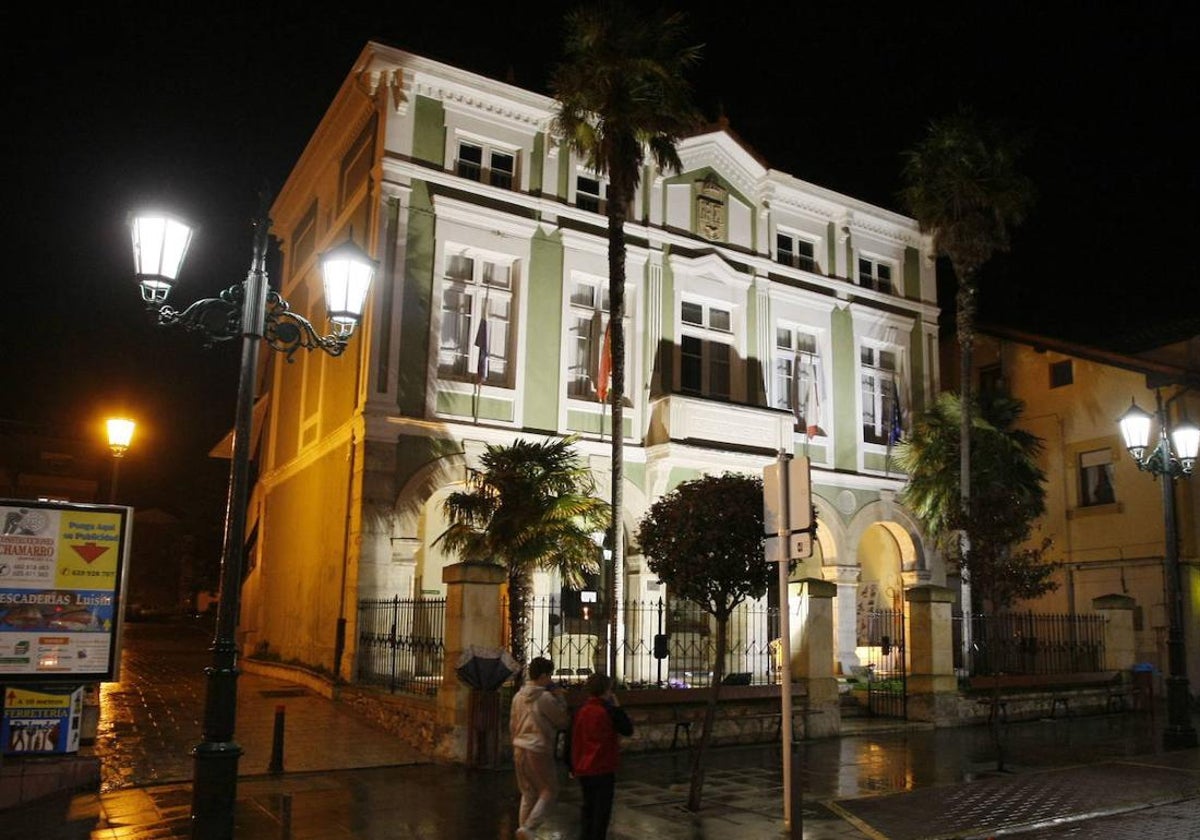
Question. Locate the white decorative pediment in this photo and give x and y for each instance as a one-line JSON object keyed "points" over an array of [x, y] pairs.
{"points": [[723, 154]]}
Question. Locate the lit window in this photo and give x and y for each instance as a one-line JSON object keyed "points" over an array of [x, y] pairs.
{"points": [[796, 252], [874, 275], [1096, 478], [881, 418], [587, 323], [797, 379], [476, 319], [705, 347]]}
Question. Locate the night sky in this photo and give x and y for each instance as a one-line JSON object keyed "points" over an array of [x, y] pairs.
{"points": [[199, 106]]}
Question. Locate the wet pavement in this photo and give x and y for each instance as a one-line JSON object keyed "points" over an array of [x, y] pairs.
{"points": [[1087, 777]]}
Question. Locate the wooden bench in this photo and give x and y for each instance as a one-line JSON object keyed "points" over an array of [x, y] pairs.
{"points": [[1006, 688]]}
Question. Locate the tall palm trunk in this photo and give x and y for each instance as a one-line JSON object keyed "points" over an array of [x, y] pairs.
{"points": [[520, 590], [618, 203], [966, 343]]}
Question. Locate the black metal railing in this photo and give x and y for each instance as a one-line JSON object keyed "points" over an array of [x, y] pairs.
{"points": [[662, 644], [1031, 643], [401, 643]]}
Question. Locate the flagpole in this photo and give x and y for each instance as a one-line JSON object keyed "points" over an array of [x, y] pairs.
{"points": [[482, 348]]}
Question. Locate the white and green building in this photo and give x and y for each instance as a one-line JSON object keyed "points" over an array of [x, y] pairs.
{"points": [[765, 313]]}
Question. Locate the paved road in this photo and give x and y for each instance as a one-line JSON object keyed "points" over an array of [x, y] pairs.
{"points": [[1096, 777], [151, 719]]}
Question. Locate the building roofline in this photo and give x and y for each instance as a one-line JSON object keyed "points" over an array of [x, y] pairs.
{"points": [[1157, 373]]}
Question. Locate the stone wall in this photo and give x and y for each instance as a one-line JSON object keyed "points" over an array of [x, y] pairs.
{"points": [[411, 718]]}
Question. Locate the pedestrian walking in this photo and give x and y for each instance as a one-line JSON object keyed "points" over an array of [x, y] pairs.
{"points": [[595, 753], [538, 714]]}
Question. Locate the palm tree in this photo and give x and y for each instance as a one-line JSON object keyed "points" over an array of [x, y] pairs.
{"points": [[962, 183], [1008, 493], [622, 94], [529, 506]]}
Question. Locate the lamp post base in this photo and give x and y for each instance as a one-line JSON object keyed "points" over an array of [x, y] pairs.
{"points": [[214, 790], [1179, 733]]}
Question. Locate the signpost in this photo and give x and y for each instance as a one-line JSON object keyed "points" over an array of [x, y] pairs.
{"points": [[787, 513]]}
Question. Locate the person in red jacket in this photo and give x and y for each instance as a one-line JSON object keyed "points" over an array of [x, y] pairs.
{"points": [[595, 753]]}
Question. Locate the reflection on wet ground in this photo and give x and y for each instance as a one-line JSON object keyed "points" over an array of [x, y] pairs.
{"points": [[343, 778]]}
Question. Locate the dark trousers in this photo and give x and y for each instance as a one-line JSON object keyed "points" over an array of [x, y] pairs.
{"points": [[597, 805]]}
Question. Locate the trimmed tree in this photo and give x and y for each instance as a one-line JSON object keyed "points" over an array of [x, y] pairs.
{"points": [[530, 505], [705, 541], [1007, 490], [622, 94]]}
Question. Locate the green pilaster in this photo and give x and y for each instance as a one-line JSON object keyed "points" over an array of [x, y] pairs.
{"points": [[647, 182], [665, 352], [387, 293], [831, 246], [564, 172], [917, 376], [912, 274], [543, 387], [429, 131], [537, 163], [418, 300], [844, 388], [755, 395]]}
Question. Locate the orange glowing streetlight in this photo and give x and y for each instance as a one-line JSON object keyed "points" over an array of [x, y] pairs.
{"points": [[120, 434]]}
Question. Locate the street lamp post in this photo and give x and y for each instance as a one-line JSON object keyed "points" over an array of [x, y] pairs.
{"points": [[254, 312], [1173, 456], [120, 433]]}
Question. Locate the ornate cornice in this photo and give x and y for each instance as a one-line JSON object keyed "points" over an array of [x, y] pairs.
{"points": [[468, 99]]}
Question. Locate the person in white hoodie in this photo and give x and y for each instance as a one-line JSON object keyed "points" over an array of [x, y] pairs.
{"points": [[538, 714]]}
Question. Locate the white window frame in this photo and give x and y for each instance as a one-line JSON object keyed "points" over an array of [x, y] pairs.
{"points": [[783, 365], [459, 362], [872, 276], [583, 348], [709, 337], [486, 169], [600, 197], [878, 400], [797, 261]]}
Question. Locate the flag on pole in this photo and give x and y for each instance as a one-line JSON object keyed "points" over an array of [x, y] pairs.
{"points": [[812, 412], [604, 374], [797, 393], [481, 345]]}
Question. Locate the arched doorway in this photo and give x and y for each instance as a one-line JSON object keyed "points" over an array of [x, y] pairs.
{"points": [[879, 617]]}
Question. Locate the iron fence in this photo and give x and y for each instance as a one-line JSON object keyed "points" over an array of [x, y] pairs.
{"points": [[1029, 643], [660, 643], [400, 643]]}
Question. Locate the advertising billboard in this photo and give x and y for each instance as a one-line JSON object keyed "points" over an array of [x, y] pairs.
{"points": [[45, 721], [62, 573]]}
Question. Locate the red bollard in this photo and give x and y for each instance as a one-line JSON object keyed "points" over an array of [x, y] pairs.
{"points": [[276, 765]]}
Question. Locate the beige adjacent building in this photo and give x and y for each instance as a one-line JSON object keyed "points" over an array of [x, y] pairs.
{"points": [[1105, 517]]}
